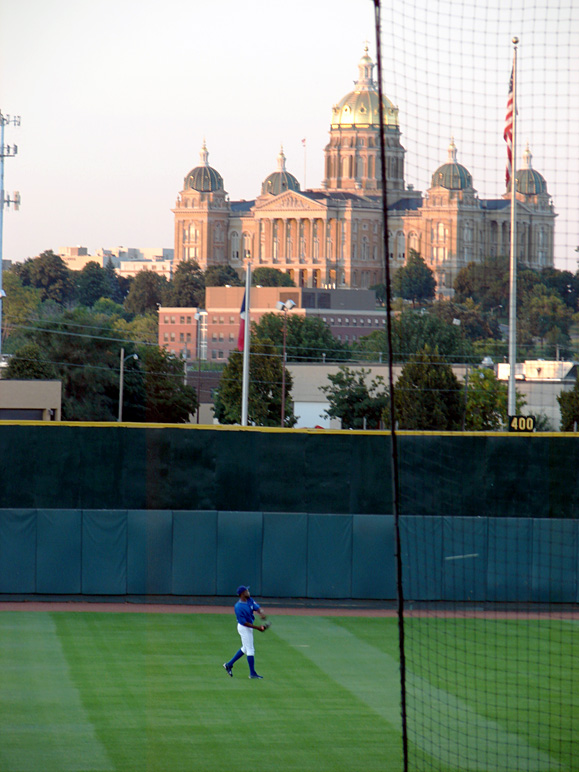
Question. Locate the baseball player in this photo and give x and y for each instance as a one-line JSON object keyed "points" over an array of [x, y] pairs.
{"points": [[244, 612]]}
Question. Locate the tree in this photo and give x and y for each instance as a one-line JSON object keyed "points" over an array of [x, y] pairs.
{"points": [[380, 290], [146, 293], [411, 332], [19, 305], [264, 398], [85, 358], [29, 364], [569, 406], [474, 325], [427, 396], [222, 275], [271, 277], [308, 339], [108, 307], [49, 274], [167, 398], [414, 281], [357, 404], [487, 283], [144, 328], [93, 283], [187, 289], [545, 311], [564, 283], [119, 286], [84, 350], [487, 402]]}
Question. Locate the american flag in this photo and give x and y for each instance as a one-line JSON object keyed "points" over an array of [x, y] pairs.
{"points": [[241, 334], [508, 132]]}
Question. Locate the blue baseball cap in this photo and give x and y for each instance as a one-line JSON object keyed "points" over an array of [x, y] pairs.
{"points": [[241, 588]]}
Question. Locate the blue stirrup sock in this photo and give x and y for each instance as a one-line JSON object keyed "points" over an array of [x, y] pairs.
{"points": [[234, 659], [250, 660]]}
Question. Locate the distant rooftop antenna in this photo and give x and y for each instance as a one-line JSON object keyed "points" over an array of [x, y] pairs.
{"points": [[6, 151]]}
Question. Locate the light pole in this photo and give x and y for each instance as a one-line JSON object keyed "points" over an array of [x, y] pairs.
{"points": [[285, 307], [6, 151], [122, 378], [198, 317]]}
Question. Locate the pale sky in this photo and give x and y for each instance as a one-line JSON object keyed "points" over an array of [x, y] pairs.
{"points": [[116, 96]]}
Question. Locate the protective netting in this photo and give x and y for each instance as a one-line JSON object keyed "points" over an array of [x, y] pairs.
{"points": [[490, 612], [447, 68], [489, 599]]}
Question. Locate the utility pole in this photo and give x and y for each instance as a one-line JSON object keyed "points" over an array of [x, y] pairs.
{"points": [[6, 151]]}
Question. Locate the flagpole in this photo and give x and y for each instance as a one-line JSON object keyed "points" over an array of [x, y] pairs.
{"points": [[512, 395], [246, 342]]}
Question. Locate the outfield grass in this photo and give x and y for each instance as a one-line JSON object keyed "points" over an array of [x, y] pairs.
{"points": [[126, 692]]}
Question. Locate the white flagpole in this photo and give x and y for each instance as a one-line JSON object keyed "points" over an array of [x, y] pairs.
{"points": [[246, 342], [512, 394]]}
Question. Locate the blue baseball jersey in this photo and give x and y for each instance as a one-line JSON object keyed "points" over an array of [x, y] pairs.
{"points": [[244, 611]]}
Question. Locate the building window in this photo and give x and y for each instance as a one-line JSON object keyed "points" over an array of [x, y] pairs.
{"points": [[214, 354], [182, 337], [166, 336], [172, 336], [235, 245], [188, 320], [172, 320], [166, 319]]}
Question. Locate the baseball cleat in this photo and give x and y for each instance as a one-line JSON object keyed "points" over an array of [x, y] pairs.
{"points": [[254, 675], [228, 669]]}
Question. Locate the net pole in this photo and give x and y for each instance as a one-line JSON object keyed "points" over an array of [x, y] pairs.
{"points": [[393, 437], [246, 347], [511, 392]]}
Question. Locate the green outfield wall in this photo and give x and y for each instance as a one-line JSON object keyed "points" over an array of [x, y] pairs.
{"points": [[286, 555], [124, 510], [113, 466]]}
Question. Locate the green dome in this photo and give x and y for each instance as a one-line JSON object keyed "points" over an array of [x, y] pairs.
{"points": [[452, 175], [279, 181], [204, 178], [529, 181]]}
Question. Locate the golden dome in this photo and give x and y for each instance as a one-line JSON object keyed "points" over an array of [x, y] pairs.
{"points": [[360, 107]]}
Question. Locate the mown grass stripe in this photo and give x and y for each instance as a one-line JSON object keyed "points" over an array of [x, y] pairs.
{"points": [[453, 732], [43, 725]]}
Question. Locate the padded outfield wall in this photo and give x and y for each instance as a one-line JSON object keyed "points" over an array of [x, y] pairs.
{"points": [[189, 511]]}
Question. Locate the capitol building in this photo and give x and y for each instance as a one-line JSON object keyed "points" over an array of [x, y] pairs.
{"points": [[331, 236]]}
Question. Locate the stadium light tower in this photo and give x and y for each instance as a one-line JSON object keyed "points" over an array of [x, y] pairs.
{"points": [[6, 151]]}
